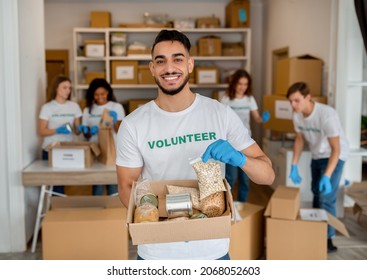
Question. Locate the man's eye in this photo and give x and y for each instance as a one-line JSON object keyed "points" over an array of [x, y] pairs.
{"points": [[159, 61]]}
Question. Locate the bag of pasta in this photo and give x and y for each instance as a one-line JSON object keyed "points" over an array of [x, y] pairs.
{"points": [[210, 179]]}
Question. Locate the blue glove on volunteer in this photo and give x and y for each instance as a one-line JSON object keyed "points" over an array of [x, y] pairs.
{"points": [[294, 176], [113, 114], [265, 116], [325, 184], [94, 130], [63, 130], [222, 151]]}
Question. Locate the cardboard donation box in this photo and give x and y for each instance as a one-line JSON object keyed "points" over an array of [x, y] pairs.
{"points": [[238, 13], [94, 48], [210, 46], [90, 76], [281, 112], [206, 74], [145, 77], [72, 154], [100, 19], [165, 231], [305, 68], [296, 237], [247, 233], [85, 228], [358, 192], [124, 72]]}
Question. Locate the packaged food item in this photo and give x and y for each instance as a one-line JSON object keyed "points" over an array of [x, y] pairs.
{"points": [[213, 205], [172, 189], [146, 213], [210, 179], [144, 193], [178, 205]]}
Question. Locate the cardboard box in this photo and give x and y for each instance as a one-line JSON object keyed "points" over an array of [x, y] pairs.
{"points": [[247, 233], [90, 76], [281, 112], [175, 231], [208, 22], [284, 203], [124, 72], [238, 13], [72, 154], [304, 238], [85, 228], [358, 192], [233, 49], [206, 75], [210, 46], [135, 103], [145, 77], [305, 68], [100, 19], [94, 48]]}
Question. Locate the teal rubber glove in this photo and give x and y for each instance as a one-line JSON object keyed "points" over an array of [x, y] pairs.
{"points": [[325, 184], [222, 151], [113, 114], [265, 116], [94, 130], [294, 176], [82, 128], [63, 130]]}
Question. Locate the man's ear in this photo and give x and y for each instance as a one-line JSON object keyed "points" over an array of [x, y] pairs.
{"points": [[151, 68], [191, 64]]}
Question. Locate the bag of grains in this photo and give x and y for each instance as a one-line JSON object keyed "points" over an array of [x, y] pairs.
{"points": [[210, 179]]}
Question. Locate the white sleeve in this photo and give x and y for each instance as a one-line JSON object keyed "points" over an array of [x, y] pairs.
{"points": [[238, 135], [253, 104], [127, 151]]}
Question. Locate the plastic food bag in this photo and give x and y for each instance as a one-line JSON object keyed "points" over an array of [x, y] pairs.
{"points": [[144, 193], [210, 179]]}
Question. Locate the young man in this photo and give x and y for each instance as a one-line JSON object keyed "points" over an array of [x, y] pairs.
{"points": [[320, 126], [188, 125]]}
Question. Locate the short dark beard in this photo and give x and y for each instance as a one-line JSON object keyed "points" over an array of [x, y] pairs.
{"points": [[172, 91]]}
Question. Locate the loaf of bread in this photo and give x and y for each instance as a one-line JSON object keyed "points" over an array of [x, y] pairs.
{"points": [[146, 213], [213, 205]]}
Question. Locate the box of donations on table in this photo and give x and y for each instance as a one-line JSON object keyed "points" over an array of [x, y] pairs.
{"points": [[72, 154]]}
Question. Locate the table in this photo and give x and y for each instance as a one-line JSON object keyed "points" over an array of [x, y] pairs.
{"points": [[38, 173]]}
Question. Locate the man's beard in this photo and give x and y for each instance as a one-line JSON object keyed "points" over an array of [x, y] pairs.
{"points": [[172, 91]]}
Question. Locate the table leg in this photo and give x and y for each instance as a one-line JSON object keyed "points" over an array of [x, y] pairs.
{"points": [[38, 218]]}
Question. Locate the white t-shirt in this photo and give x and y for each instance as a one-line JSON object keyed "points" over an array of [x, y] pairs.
{"points": [[322, 123], [242, 106], [57, 115], [93, 118], [163, 143]]}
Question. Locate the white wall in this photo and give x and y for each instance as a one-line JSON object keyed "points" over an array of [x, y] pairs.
{"points": [[303, 26], [22, 71]]}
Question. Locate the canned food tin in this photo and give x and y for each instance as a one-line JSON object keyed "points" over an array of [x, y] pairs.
{"points": [[178, 205], [149, 198]]}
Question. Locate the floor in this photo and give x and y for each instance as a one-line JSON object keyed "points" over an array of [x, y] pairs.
{"points": [[352, 248]]}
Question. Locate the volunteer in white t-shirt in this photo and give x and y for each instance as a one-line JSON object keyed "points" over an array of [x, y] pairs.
{"points": [[100, 97], [157, 140], [319, 125], [239, 97], [59, 117]]}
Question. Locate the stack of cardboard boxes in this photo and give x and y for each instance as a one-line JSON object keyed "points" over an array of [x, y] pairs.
{"points": [[293, 233], [288, 71]]}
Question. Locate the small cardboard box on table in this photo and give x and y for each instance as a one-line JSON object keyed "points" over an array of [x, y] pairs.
{"points": [[247, 232], [72, 154], [178, 230], [296, 234], [85, 228]]}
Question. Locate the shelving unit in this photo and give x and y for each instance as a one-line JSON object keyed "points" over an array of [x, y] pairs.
{"points": [[146, 36]]}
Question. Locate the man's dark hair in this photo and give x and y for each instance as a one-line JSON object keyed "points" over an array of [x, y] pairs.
{"points": [[172, 35], [301, 87]]}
